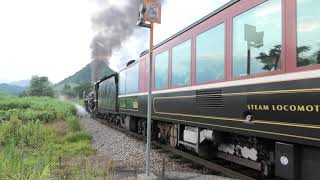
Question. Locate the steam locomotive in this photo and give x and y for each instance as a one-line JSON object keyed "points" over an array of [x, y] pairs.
{"points": [[241, 84]]}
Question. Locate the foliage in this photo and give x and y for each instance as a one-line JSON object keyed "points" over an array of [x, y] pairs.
{"points": [[82, 81], [301, 60], [58, 88], [39, 86], [83, 87], [76, 91], [44, 109], [73, 123], [304, 60], [272, 58], [68, 91], [77, 136], [93, 71], [36, 135], [77, 101]]}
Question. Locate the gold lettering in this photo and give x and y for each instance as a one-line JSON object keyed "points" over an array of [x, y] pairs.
{"points": [[309, 108], [293, 108], [301, 108], [279, 107]]}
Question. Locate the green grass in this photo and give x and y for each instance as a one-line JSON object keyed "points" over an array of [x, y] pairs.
{"points": [[77, 101], [37, 134]]}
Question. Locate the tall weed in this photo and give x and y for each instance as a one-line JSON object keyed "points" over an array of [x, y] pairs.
{"points": [[30, 148]]}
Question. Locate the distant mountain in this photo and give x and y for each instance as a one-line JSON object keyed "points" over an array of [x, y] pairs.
{"points": [[21, 83], [90, 73], [11, 89]]}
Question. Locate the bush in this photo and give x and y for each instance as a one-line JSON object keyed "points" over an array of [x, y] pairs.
{"points": [[30, 145], [20, 154], [73, 123], [34, 108], [78, 136]]}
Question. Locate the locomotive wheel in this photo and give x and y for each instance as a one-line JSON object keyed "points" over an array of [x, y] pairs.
{"points": [[173, 136]]}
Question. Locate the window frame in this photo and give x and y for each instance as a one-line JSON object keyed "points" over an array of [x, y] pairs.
{"points": [[208, 27], [138, 74], [142, 74], [125, 77], [154, 69], [226, 16], [191, 39], [292, 17], [243, 7]]}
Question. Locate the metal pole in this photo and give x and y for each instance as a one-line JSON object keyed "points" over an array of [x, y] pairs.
{"points": [[148, 146], [248, 60]]}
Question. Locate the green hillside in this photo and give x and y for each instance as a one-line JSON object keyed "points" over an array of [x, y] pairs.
{"points": [[90, 73], [11, 89]]}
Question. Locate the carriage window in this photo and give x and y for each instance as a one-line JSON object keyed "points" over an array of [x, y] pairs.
{"points": [[122, 102], [161, 70], [122, 83], [132, 79], [308, 29], [210, 54], [257, 39], [181, 64]]}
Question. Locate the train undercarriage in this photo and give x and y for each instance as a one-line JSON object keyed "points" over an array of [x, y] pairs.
{"points": [[255, 153]]}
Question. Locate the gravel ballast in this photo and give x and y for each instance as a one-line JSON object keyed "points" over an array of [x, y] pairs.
{"points": [[128, 153]]}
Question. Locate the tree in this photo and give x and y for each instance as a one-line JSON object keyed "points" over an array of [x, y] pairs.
{"points": [[271, 60], [40, 86], [84, 87], [68, 91], [301, 60], [317, 54], [24, 93]]}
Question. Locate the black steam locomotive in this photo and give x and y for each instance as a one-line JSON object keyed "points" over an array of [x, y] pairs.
{"points": [[241, 84]]}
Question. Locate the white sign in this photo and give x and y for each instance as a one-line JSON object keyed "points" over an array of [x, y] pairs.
{"points": [[254, 38], [153, 12]]}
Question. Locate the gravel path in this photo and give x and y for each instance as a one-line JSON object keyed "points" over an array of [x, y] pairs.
{"points": [[127, 153]]}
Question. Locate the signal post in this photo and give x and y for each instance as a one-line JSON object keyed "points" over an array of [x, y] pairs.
{"points": [[149, 12]]}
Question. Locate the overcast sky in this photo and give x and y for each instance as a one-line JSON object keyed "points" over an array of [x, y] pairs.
{"points": [[52, 37]]}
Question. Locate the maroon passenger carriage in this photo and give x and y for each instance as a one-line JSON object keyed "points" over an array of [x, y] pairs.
{"points": [[241, 84]]}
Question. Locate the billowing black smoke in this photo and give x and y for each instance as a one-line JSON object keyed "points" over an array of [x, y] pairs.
{"points": [[113, 26]]}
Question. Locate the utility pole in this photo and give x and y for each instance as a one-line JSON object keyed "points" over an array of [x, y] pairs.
{"points": [[151, 12]]}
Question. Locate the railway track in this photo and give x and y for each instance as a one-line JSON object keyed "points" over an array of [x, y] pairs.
{"points": [[217, 167]]}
